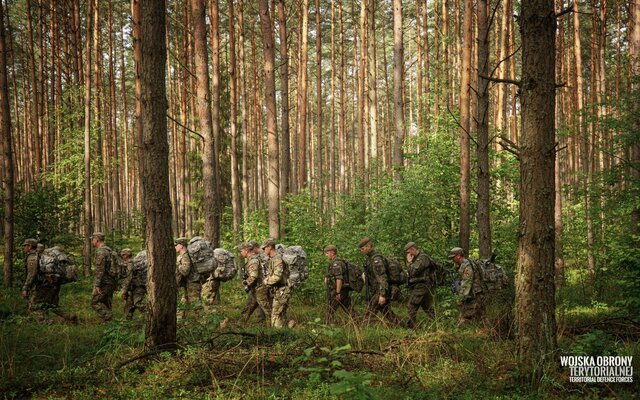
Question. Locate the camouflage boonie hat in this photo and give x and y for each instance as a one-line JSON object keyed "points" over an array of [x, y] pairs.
{"points": [[30, 242], [245, 246], [365, 240], [181, 240], [98, 235], [125, 252], [330, 247], [456, 251], [409, 245], [269, 242]]}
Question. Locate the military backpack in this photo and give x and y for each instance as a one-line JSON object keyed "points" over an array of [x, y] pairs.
{"points": [[201, 253], [354, 276], [116, 267], [296, 259], [226, 268], [395, 273], [139, 273], [56, 265], [493, 276]]}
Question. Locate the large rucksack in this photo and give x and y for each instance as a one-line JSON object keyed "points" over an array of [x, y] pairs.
{"points": [[354, 276], [493, 276], [139, 273], [296, 259], [226, 265], [57, 265], [201, 253], [396, 274]]}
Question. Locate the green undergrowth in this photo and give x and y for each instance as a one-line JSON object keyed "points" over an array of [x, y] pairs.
{"points": [[218, 359]]}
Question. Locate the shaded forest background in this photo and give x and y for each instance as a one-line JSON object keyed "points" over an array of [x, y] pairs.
{"points": [[377, 131]]}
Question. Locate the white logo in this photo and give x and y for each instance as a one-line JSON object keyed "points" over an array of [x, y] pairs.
{"points": [[612, 369]]}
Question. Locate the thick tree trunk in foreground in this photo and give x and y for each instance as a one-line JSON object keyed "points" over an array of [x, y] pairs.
{"points": [[535, 285], [160, 332]]}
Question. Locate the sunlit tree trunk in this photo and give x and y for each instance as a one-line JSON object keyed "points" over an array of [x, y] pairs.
{"points": [[634, 71], [303, 98], [465, 126], [398, 77], [285, 146], [233, 93], [88, 217]]}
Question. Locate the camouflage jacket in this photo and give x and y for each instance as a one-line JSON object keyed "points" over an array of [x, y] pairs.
{"points": [[134, 278], [102, 263], [471, 281], [185, 270], [277, 272], [422, 270], [337, 269], [375, 270], [31, 267], [254, 271]]}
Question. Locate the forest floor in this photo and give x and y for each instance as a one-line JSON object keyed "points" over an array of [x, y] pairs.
{"points": [[310, 361]]}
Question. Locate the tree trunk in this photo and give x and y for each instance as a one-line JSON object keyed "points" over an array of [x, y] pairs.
{"points": [[465, 126], [285, 151], [362, 132], [303, 98], [482, 118], [244, 105], [272, 127], [233, 94], [320, 146], [7, 158], [535, 288], [398, 78], [88, 218], [634, 71], [160, 331], [372, 78]]}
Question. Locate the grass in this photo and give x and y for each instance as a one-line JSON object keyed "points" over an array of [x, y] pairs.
{"points": [[311, 361]]}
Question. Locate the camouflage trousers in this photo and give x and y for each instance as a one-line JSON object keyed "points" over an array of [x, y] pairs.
{"points": [[420, 296], [334, 305], [472, 309], [45, 298], [373, 308], [191, 302], [250, 306], [135, 301], [210, 292], [103, 301], [279, 306]]}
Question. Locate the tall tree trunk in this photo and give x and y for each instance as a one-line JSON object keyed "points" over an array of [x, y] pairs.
{"points": [[319, 105], [272, 127], [482, 118], [465, 126], [303, 97], [7, 158], [372, 78], [244, 105], [535, 288], [88, 218], [35, 96], [160, 331], [285, 145], [342, 110], [634, 71], [233, 93], [362, 132], [398, 78]]}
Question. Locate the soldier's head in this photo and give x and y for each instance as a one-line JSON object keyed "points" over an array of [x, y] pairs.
{"points": [[246, 248], [411, 248], [29, 245], [457, 255], [365, 245], [256, 246], [181, 245], [40, 248], [330, 251], [269, 247], [125, 254], [97, 239]]}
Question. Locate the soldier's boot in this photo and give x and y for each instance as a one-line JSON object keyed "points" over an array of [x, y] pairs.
{"points": [[69, 317], [103, 311]]}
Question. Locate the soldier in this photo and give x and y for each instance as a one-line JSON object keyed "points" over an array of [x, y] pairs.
{"points": [[422, 279], [471, 301], [134, 286], [277, 280], [106, 278], [377, 284], [252, 281], [187, 277], [336, 281], [40, 248], [42, 291]]}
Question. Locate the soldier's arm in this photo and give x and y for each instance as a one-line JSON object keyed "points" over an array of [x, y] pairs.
{"points": [[184, 267], [99, 262], [380, 271], [126, 284], [32, 271], [276, 275], [253, 270], [467, 280]]}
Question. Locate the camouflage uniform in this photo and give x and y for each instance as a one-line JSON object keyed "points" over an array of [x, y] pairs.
{"points": [[378, 285], [188, 278], [43, 292], [134, 288], [210, 291], [259, 297], [337, 269], [277, 280], [422, 281], [105, 283], [471, 293]]}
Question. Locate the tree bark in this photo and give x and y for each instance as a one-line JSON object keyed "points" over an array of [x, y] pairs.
{"points": [[160, 331], [272, 127], [285, 151], [88, 217], [233, 94], [634, 71], [535, 287], [303, 98], [465, 128], [398, 78]]}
